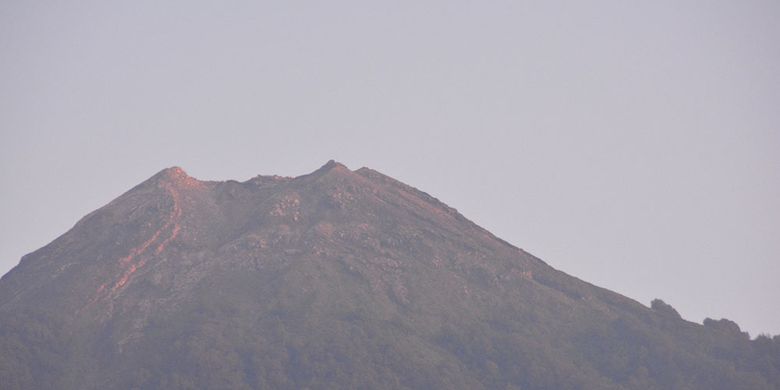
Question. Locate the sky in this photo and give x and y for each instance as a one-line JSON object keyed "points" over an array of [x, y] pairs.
{"points": [[633, 145]]}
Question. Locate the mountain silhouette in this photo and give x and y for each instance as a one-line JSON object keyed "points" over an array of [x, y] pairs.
{"points": [[334, 279]]}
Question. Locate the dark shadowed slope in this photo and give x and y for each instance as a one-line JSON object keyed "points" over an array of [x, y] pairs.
{"points": [[335, 279]]}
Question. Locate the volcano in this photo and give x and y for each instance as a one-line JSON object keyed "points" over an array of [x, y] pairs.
{"points": [[335, 279]]}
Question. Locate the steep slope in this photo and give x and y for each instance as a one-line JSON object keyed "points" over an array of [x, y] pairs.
{"points": [[335, 279]]}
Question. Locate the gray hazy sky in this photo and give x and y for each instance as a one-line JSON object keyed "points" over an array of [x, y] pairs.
{"points": [[631, 144]]}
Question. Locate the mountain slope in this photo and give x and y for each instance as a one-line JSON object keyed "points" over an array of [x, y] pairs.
{"points": [[335, 279]]}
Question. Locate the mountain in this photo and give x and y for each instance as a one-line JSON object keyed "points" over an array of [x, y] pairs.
{"points": [[335, 279]]}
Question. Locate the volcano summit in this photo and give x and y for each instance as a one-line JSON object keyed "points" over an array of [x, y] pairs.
{"points": [[335, 279]]}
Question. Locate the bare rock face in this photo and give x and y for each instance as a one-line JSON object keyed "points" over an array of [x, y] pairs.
{"points": [[335, 279], [664, 309]]}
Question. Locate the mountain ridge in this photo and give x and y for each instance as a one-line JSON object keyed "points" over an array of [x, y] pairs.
{"points": [[336, 278]]}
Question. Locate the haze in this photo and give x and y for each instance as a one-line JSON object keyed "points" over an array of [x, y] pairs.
{"points": [[631, 145]]}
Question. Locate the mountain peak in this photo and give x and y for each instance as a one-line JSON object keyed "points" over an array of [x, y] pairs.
{"points": [[176, 176], [332, 165], [335, 279], [331, 169], [173, 172]]}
